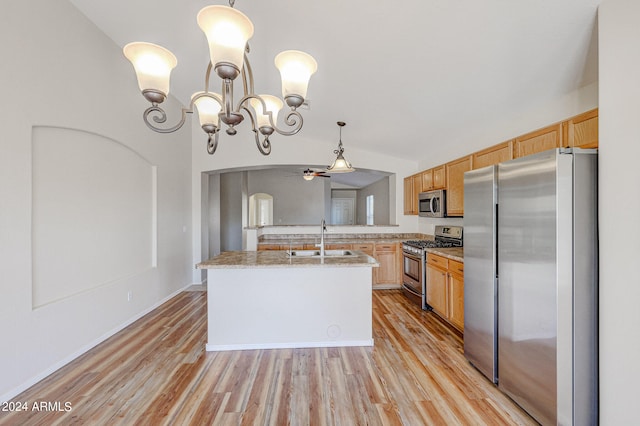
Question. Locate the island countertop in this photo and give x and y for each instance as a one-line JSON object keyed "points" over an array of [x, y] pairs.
{"points": [[280, 259]]}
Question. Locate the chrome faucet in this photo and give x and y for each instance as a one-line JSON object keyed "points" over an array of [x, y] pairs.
{"points": [[323, 227]]}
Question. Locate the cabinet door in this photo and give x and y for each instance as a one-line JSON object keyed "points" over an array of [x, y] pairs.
{"points": [[337, 246], [417, 189], [409, 202], [493, 155], [437, 290], [456, 300], [455, 185], [538, 141], [264, 247], [582, 130], [439, 177], [387, 273], [366, 248], [427, 180]]}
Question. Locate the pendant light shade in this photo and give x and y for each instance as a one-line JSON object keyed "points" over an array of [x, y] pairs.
{"points": [[274, 105], [340, 165], [296, 68], [153, 65], [208, 109], [227, 31]]}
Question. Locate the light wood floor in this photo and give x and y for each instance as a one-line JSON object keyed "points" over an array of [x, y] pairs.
{"points": [[156, 372]]}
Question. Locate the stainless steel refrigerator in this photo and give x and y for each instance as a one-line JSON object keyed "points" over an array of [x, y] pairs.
{"points": [[531, 282]]}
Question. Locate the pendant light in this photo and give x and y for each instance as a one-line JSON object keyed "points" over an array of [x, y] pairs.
{"points": [[340, 165]]}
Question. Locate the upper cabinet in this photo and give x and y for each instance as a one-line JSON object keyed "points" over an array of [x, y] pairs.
{"points": [[538, 141], [434, 179], [455, 185], [417, 189], [439, 178], [410, 206], [427, 180], [582, 131], [493, 155]]}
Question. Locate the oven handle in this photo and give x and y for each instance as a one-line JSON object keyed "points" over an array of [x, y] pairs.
{"points": [[407, 288]]}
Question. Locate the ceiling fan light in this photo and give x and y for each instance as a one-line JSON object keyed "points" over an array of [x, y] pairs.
{"points": [[296, 68], [153, 65], [308, 177], [227, 31]]}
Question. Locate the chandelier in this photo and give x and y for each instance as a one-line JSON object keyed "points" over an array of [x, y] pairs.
{"points": [[228, 31]]}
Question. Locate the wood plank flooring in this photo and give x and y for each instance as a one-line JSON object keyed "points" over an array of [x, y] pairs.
{"points": [[156, 372]]}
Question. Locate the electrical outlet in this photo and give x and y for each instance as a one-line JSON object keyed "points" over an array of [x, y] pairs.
{"points": [[129, 296]]}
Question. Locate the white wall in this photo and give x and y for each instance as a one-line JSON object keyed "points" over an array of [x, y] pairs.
{"points": [[380, 192], [295, 200], [83, 183], [619, 183]]}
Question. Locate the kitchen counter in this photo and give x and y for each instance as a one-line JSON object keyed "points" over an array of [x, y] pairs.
{"points": [[268, 300], [280, 259], [340, 238], [453, 253]]}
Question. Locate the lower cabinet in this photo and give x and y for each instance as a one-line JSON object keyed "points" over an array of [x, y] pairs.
{"points": [[387, 274], [445, 289]]}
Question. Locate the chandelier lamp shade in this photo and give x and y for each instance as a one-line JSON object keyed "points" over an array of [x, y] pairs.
{"points": [[228, 32], [340, 165]]}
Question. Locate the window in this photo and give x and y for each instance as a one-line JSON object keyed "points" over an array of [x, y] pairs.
{"points": [[369, 209]]}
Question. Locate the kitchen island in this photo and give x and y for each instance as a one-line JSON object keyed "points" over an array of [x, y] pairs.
{"points": [[268, 299]]}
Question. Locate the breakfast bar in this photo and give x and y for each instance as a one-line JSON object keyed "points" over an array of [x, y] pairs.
{"points": [[274, 299]]}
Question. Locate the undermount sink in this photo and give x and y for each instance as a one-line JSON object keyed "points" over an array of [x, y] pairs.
{"points": [[316, 253]]}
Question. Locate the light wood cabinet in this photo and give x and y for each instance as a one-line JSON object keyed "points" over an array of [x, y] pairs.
{"points": [[437, 289], [493, 155], [264, 247], [581, 131], [427, 180], [410, 205], [456, 294], [387, 274], [445, 289], [439, 177], [538, 141], [366, 248], [337, 246], [417, 189], [455, 185]]}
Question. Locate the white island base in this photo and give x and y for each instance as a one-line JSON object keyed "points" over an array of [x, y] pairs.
{"points": [[289, 307]]}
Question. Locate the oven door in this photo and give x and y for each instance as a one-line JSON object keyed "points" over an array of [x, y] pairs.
{"points": [[412, 278]]}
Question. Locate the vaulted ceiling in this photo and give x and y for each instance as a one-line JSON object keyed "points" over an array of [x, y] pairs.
{"points": [[410, 78]]}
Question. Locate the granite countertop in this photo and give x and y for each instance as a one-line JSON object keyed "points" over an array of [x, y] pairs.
{"points": [[453, 253], [340, 238], [280, 259]]}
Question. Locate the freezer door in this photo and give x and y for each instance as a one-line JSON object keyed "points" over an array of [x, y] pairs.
{"points": [[480, 292], [527, 267]]}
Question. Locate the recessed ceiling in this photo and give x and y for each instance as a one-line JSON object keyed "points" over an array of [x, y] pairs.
{"points": [[410, 78]]}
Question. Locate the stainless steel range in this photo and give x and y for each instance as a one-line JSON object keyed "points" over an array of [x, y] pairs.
{"points": [[414, 254]]}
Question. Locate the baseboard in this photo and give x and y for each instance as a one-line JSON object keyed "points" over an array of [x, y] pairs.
{"points": [[290, 345], [66, 360]]}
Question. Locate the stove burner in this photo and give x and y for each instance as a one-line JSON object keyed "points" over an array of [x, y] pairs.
{"points": [[429, 244]]}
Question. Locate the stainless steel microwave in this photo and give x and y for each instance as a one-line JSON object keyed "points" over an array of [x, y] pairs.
{"points": [[432, 203]]}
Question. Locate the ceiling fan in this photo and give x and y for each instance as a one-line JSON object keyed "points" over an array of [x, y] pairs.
{"points": [[309, 174]]}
